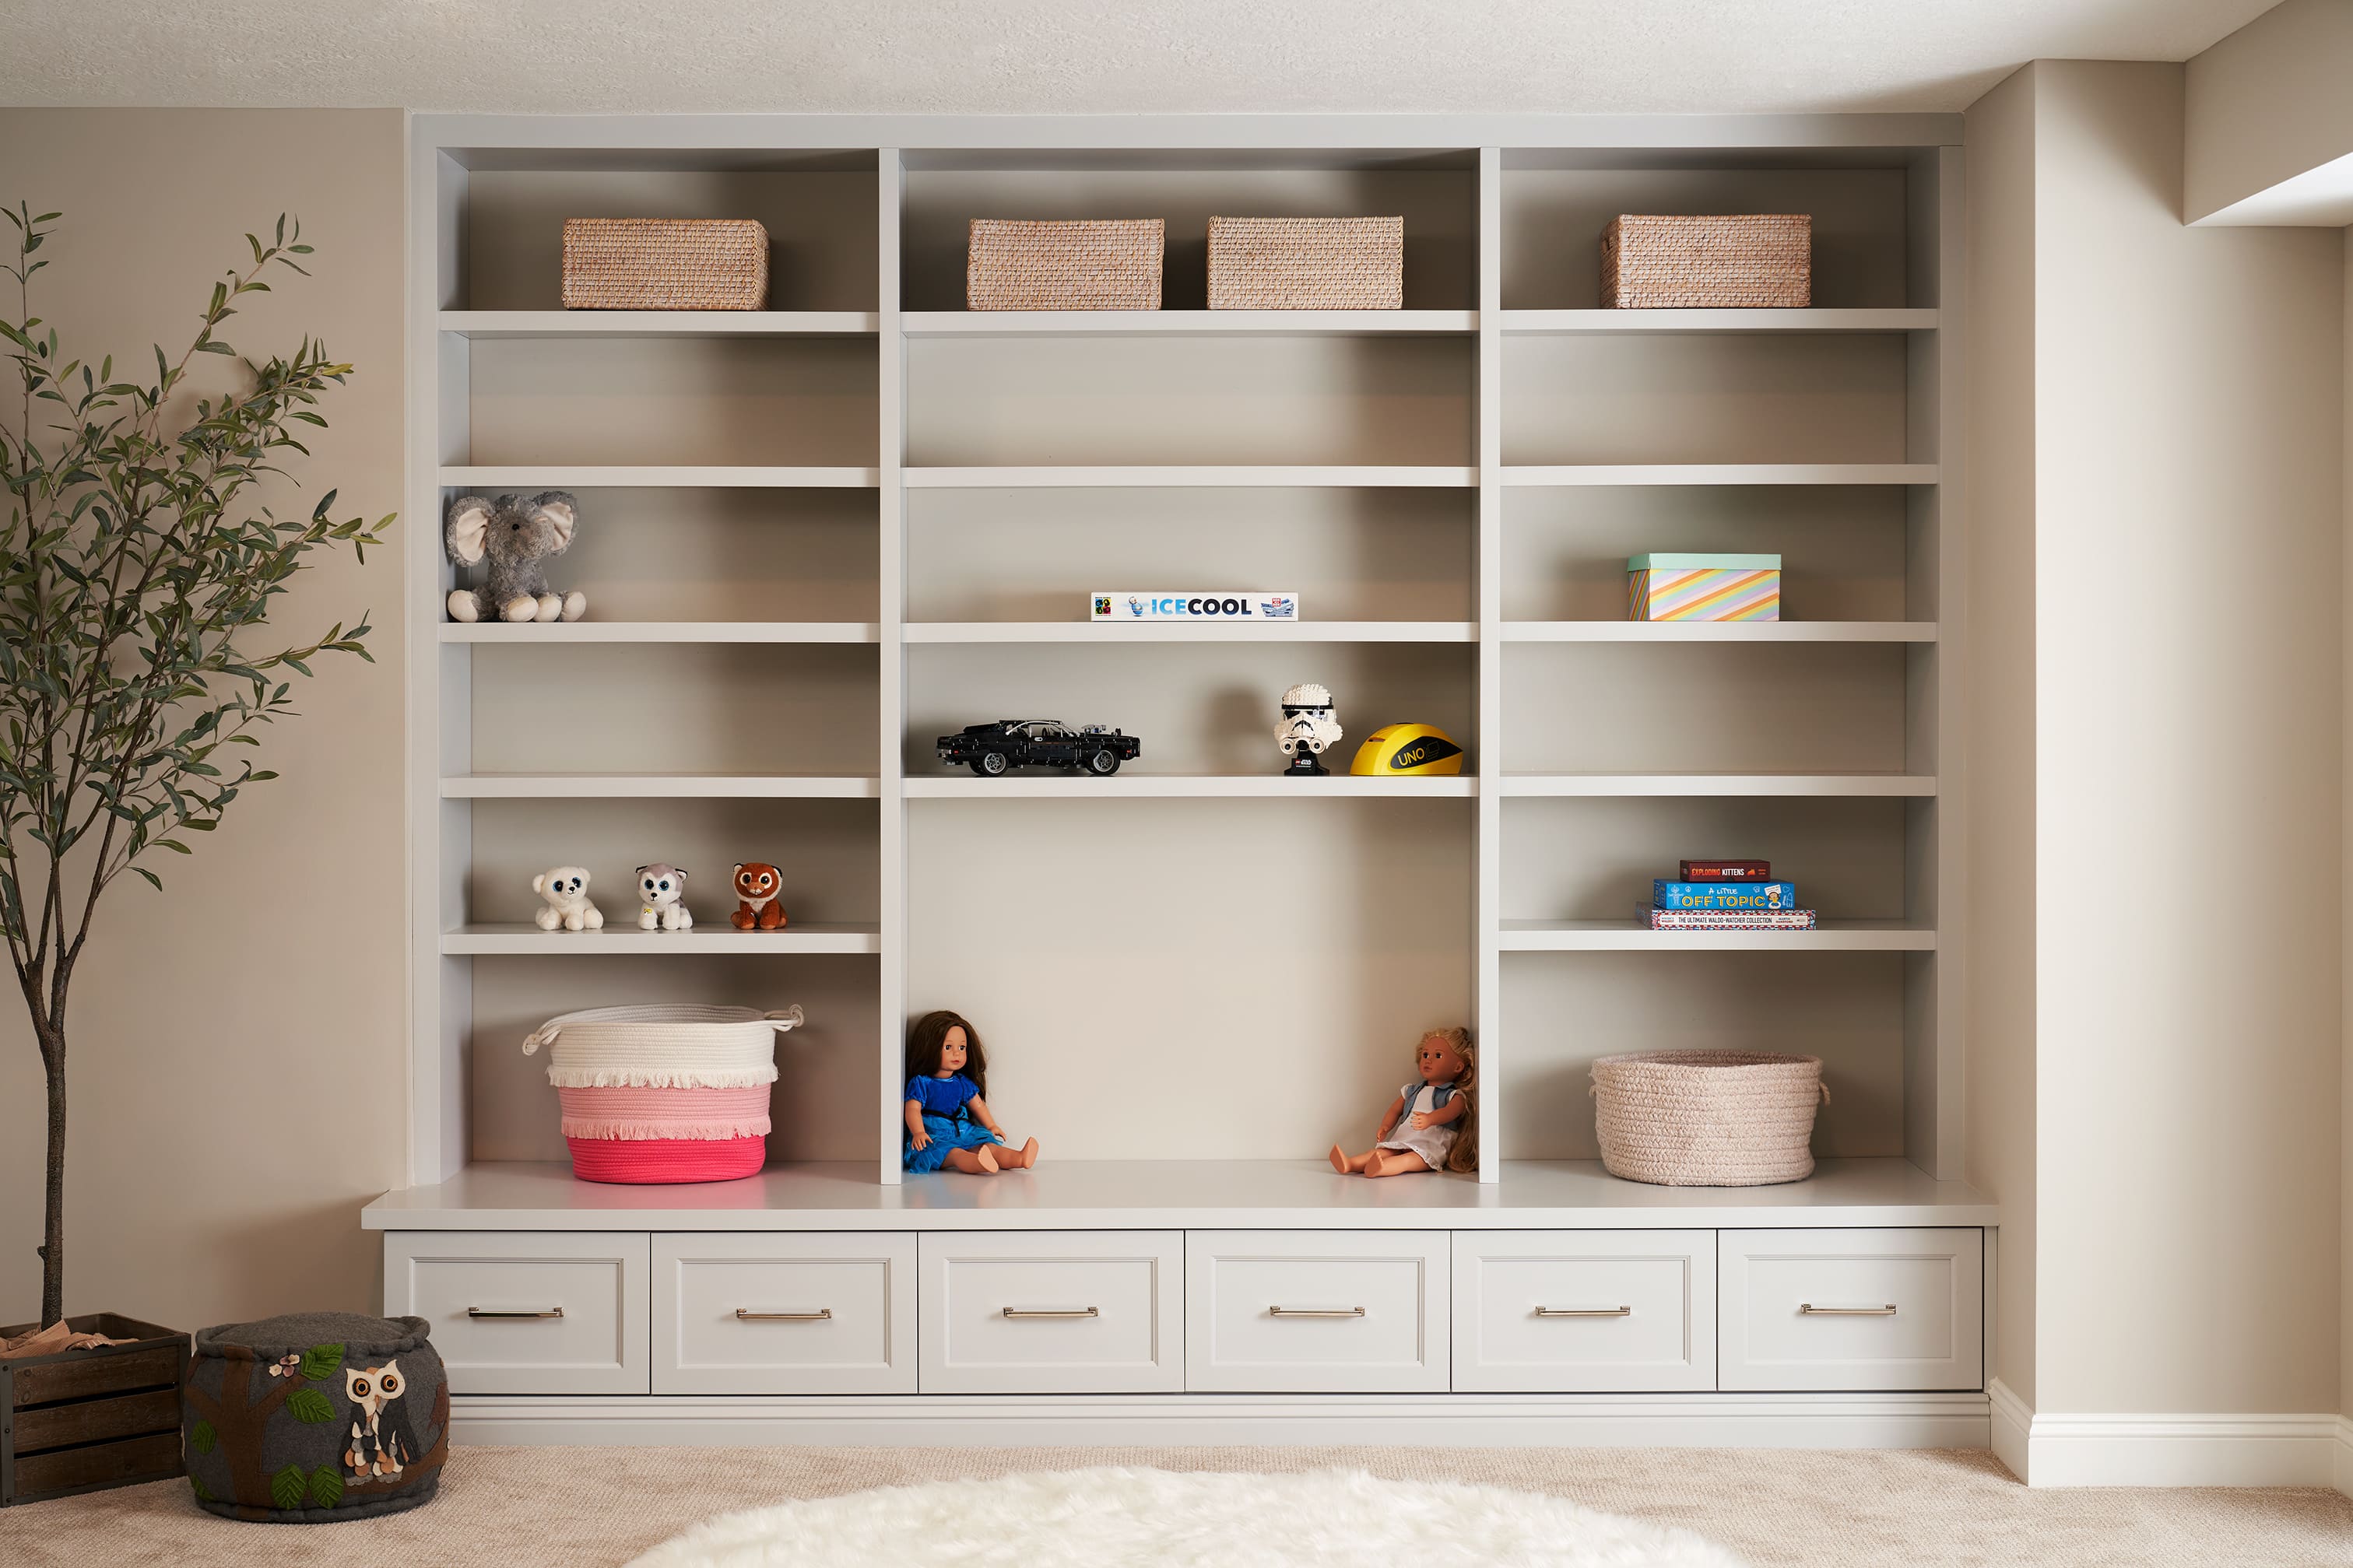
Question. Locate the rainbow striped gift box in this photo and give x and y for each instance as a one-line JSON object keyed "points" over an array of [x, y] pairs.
{"points": [[1704, 588]]}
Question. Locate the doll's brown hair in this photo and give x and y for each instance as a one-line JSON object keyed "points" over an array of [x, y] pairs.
{"points": [[930, 1034], [1463, 1155]]}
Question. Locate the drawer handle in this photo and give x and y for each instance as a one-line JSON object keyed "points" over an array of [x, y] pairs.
{"points": [[488, 1313], [745, 1315], [1051, 1312], [1584, 1311], [1808, 1310], [1314, 1311]]}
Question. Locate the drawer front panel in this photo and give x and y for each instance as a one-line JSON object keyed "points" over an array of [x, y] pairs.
{"points": [[1316, 1311], [1566, 1311], [1862, 1309], [748, 1312], [1052, 1312], [526, 1311]]}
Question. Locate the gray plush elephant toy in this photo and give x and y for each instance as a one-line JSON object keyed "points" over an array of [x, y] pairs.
{"points": [[517, 533]]}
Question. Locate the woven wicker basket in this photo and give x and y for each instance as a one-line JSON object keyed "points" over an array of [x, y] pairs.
{"points": [[1707, 1119], [664, 1093], [1306, 263], [664, 264], [1095, 265], [1676, 263]]}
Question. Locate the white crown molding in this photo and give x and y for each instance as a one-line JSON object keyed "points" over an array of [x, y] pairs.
{"points": [[2170, 1451]]}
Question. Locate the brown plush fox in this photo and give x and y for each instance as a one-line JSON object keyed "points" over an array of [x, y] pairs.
{"points": [[756, 886]]}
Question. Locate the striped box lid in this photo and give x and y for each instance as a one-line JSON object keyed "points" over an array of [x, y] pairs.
{"points": [[1685, 561]]}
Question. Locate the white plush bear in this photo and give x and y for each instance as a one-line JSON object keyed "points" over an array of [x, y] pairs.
{"points": [[565, 890], [662, 891]]}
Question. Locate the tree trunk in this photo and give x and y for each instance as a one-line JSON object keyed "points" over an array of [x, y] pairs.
{"points": [[53, 1227]]}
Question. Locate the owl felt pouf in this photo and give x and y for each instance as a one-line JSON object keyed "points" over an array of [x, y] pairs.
{"points": [[515, 534], [314, 1416], [756, 897]]}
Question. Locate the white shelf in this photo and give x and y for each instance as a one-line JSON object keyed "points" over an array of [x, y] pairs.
{"points": [[1115, 1194], [621, 935], [1581, 323], [655, 786], [1719, 631], [1241, 476], [1727, 784], [1190, 323], [659, 324], [1559, 474], [660, 631], [1103, 632], [1626, 936], [1051, 786], [580, 477]]}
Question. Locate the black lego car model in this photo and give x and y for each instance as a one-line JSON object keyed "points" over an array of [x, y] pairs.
{"points": [[991, 748]]}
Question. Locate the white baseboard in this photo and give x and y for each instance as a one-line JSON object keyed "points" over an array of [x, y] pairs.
{"points": [[2050, 1450], [1695, 1420]]}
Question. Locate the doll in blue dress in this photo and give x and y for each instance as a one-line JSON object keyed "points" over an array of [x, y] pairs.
{"points": [[948, 1121]]}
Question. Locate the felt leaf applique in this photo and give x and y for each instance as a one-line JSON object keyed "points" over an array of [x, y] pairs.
{"points": [[202, 1437], [321, 1362], [289, 1487], [326, 1487], [197, 1486], [310, 1407]]}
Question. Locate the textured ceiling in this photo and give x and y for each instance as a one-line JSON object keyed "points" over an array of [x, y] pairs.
{"points": [[1049, 56]]}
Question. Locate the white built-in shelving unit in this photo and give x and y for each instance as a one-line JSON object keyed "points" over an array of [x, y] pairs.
{"points": [[817, 536]]}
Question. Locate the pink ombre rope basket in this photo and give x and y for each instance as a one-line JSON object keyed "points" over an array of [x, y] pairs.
{"points": [[670, 1093]]}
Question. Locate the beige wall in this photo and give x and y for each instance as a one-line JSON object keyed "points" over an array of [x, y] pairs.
{"points": [[2186, 521], [237, 1083], [2267, 103], [2345, 992], [2001, 148]]}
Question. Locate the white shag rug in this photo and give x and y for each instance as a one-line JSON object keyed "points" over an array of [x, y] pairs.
{"points": [[1133, 1517]]}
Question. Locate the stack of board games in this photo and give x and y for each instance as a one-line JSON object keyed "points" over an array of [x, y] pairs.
{"points": [[1726, 895]]}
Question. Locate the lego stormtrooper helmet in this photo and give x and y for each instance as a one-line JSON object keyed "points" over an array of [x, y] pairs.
{"points": [[1307, 726]]}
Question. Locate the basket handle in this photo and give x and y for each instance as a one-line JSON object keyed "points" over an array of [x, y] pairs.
{"points": [[785, 1018], [542, 1035]]}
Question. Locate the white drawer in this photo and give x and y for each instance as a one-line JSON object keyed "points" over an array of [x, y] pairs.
{"points": [[1316, 1311], [1052, 1312], [526, 1311], [1578, 1312], [760, 1313], [1839, 1310]]}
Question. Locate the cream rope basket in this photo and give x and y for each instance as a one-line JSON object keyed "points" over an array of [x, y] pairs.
{"points": [[671, 1093], [1707, 1119]]}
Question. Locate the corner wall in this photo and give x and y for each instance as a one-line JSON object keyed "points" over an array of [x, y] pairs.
{"points": [[236, 1084]]}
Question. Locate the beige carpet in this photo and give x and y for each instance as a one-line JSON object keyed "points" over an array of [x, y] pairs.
{"points": [[589, 1508]]}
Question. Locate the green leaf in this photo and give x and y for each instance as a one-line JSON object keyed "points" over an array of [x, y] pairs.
{"points": [[321, 1362], [202, 1437], [203, 1492], [326, 1485], [289, 1487], [310, 1407]]}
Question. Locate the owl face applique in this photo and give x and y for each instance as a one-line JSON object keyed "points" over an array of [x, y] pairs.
{"points": [[379, 1449]]}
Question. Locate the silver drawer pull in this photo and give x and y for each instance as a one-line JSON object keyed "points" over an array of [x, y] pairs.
{"points": [[1314, 1311], [1584, 1311], [1052, 1312], [1808, 1310], [745, 1315], [487, 1312]]}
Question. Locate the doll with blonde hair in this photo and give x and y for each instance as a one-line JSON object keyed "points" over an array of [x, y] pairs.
{"points": [[1432, 1125]]}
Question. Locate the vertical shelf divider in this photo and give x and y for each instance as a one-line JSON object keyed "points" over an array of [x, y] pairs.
{"points": [[1488, 411], [892, 677]]}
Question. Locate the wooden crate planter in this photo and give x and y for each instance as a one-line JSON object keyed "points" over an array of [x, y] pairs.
{"points": [[80, 1421]]}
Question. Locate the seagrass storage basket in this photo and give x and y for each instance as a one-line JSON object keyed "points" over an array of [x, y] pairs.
{"points": [[1707, 1119], [664, 264], [1306, 263], [1089, 265], [1707, 263]]}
